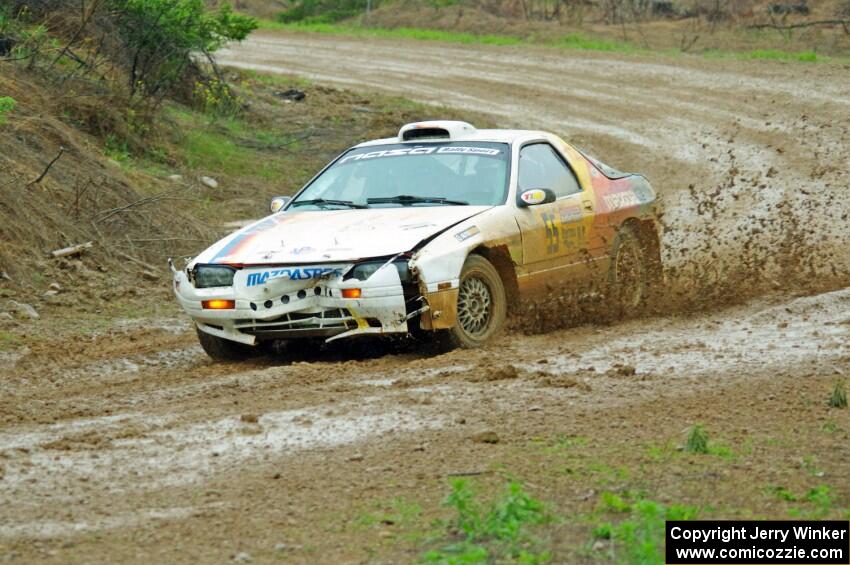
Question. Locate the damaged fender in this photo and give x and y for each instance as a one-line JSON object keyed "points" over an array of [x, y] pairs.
{"points": [[439, 263]]}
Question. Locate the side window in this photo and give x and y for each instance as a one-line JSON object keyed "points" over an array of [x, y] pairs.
{"points": [[541, 167]]}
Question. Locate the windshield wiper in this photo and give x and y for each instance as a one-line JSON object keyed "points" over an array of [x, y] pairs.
{"points": [[327, 202], [406, 199]]}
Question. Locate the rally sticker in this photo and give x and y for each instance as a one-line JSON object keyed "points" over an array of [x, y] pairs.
{"points": [[452, 150], [292, 273], [621, 200]]}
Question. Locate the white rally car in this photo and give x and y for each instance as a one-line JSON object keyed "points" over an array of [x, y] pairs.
{"points": [[441, 229]]}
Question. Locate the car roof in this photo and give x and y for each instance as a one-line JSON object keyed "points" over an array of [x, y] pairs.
{"points": [[458, 131]]}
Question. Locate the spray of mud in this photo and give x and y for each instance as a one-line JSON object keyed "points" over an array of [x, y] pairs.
{"points": [[753, 230]]}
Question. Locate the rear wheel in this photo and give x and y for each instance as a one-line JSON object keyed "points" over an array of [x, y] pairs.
{"points": [[222, 349], [629, 273], [481, 304]]}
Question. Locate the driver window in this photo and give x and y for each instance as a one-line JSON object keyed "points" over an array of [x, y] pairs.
{"points": [[541, 167]]}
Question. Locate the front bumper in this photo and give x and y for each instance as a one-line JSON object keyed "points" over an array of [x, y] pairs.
{"points": [[283, 308]]}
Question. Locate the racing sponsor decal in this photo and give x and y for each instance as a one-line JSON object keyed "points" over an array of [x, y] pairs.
{"points": [[452, 150], [467, 233], [552, 233], [570, 214], [574, 236], [534, 196], [291, 273], [621, 200]]}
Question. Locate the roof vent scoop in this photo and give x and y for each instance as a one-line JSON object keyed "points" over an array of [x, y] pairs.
{"points": [[442, 129]]}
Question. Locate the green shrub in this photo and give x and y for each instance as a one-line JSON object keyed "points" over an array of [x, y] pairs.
{"points": [[697, 440], [7, 104], [159, 38], [495, 533]]}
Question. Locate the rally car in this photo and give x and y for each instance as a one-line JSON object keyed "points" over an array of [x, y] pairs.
{"points": [[444, 228]]}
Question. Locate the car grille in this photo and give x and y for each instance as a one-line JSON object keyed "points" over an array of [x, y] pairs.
{"points": [[300, 324]]}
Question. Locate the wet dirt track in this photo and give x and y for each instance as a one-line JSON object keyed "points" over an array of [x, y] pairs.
{"points": [[132, 446]]}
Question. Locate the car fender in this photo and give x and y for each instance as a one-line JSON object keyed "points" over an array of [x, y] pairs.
{"points": [[438, 264]]}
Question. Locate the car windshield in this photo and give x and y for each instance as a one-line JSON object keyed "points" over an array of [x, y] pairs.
{"points": [[427, 174]]}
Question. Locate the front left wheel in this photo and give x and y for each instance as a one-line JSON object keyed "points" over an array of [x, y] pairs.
{"points": [[481, 304], [222, 349]]}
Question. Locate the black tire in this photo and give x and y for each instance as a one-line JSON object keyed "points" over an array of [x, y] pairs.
{"points": [[482, 305], [629, 273], [222, 349]]}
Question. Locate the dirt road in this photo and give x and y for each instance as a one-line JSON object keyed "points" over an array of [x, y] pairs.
{"points": [[129, 445]]}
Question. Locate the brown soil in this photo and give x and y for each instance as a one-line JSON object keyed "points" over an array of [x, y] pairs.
{"points": [[161, 453]]}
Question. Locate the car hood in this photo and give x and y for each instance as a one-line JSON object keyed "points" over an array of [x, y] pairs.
{"points": [[334, 235]]}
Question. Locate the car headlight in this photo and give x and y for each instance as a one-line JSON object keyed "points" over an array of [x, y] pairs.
{"points": [[207, 276], [363, 271]]}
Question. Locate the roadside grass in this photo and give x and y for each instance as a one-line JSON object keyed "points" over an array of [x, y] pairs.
{"points": [[817, 503], [228, 146], [639, 537], [494, 532], [570, 41], [820, 504]]}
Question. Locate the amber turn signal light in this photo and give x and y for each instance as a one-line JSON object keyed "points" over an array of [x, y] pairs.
{"points": [[218, 304], [351, 293]]}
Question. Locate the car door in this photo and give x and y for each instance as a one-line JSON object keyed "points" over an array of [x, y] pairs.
{"points": [[554, 234]]}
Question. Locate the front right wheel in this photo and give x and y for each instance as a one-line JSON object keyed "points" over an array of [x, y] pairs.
{"points": [[481, 304]]}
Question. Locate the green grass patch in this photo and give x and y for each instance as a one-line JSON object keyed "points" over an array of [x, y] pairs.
{"points": [[639, 538], [776, 55], [229, 147], [572, 41], [7, 104], [569, 41], [820, 504], [782, 493], [838, 398], [420, 34], [496, 532]]}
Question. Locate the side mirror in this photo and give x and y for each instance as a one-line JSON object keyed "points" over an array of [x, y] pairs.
{"points": [[278, 202], [535, 196]]}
